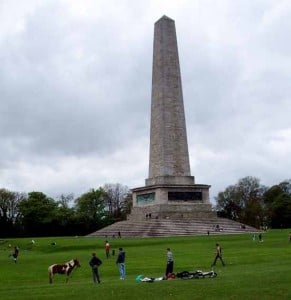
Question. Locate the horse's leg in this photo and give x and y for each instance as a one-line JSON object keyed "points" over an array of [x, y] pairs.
{"points": [[68, 273], [51, 273], [50, 277]]}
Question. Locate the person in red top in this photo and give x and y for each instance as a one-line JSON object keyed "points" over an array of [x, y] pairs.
{"points": [[107, 249]]}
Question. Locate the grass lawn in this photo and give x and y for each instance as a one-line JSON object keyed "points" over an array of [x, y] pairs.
{"points": [[253, 270]]}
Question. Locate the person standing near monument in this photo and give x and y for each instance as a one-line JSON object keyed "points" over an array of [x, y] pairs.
{"points": [[218, 254], [120, 261], [170, 262]]}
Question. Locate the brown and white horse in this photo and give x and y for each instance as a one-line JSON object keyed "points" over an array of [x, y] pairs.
{"points": [[65, 268]]}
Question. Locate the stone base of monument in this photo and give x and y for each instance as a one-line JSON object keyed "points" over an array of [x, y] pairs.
{"points": [[171, 202], [172, 211]]}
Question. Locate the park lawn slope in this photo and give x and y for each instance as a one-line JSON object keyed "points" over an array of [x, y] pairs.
{"points": [[253, 270]]}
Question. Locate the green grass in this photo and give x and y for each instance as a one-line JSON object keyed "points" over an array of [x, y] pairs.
{"points": [[254, 270]]}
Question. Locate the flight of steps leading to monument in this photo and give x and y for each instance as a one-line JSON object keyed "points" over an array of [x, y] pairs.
{"points": [[172, 227]]}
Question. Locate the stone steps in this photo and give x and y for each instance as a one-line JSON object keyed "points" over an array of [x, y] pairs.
{"points": [[172, 227]]}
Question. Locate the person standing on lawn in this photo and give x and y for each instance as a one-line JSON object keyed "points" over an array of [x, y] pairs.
{"points": [[170, 262], [120, 261], [107, 249], [95, 262]]}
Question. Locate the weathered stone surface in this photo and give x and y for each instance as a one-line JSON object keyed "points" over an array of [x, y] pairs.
{"points": [[170, 189], [169, 157]]}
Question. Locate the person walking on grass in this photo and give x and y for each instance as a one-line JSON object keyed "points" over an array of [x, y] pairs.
{"points": [[15, 254], [218, 254], [170, 262], [95, 262], [120, 261]]}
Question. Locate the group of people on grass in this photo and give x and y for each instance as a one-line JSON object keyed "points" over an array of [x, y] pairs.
{"points": [[95, 262], [170, 260]]}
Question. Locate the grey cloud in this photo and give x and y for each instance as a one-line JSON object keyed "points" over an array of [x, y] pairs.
{"points": [[75, 93]]}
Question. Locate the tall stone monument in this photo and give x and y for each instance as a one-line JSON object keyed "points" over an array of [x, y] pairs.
{"points": [[170, 191]]}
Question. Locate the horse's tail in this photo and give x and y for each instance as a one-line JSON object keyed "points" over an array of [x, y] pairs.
{"points": [[51, 274]]}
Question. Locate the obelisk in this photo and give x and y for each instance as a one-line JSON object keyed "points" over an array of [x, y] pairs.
{"points": [[169, 157], [170, 190]]}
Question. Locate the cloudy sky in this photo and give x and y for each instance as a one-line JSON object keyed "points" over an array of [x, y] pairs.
{"points": [[75, 88]]}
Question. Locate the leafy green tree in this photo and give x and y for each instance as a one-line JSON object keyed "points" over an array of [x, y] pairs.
{"points": [[38, 214], [90, 210], [251, 193], [278, 205], [65, 216], [243, 201]]}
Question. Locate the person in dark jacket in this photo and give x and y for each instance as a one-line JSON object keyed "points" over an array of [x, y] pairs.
{"points": [[95, 262], [120, 261]]}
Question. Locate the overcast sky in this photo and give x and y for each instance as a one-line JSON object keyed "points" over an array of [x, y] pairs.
{"points": [[75, 88]]}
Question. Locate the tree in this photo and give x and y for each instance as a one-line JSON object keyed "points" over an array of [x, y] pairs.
{"points": [[90, 209], [65, 200], [127, 205], [251, 193], [65, 216], [9, 213], [277, 200], [38, 214], [228, 203], [243, 201], [115, 201]]}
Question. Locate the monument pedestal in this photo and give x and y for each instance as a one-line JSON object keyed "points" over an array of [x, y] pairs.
{"points": [[171, 201]]}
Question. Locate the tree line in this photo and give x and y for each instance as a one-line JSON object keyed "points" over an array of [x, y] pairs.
{"points": [[254, 204], [36, 214]]}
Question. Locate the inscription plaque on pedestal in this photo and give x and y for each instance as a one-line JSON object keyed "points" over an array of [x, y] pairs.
{"points": [[145, 198], [185, 196]]}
